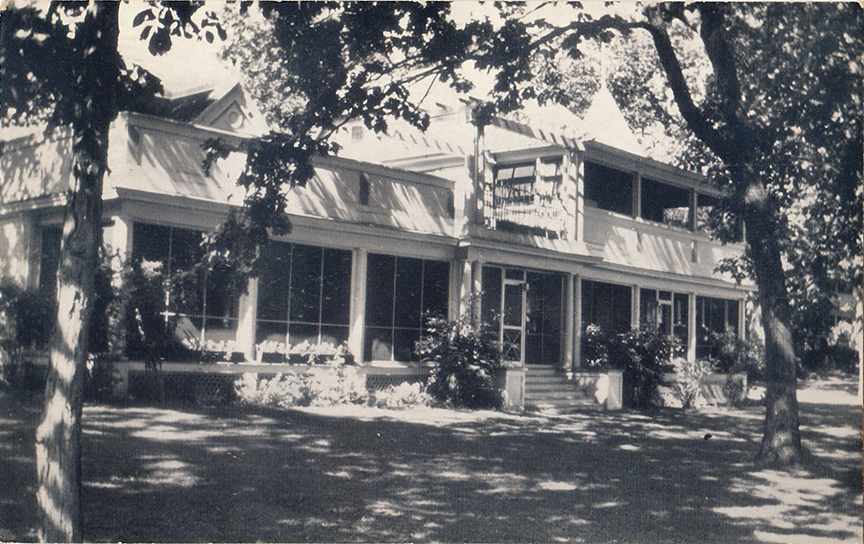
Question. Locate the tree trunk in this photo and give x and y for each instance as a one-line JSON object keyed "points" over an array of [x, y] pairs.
{"points": [[781, 443], [58, 437]]}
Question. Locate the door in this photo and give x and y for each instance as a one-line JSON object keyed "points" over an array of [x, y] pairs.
{"points": [[513, 318]]}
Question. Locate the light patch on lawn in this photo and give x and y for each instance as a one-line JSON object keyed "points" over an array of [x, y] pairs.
{"points": [[556, 486]]}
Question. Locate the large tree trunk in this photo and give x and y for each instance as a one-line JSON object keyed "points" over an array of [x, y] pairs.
{"points": [[781, 443], [58, 437]]}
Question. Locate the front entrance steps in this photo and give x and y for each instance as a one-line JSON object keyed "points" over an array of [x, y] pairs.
{"points": [[547, 390]]}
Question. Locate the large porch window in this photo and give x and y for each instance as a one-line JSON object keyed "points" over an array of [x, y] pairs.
{"points": [[714, 315], [606, 305], [667, 311], [400, 293], [608, 188], [200, 304], [664, 203], [304, 294]]}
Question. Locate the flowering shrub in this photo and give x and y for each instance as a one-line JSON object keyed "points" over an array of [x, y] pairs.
{"points": [[644, 355], [688, 379], [467, 363], [303, 353], [404, 395], [322, 386], [595, 348]]}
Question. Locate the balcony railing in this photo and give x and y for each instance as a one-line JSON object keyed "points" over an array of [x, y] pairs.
{"points": [[515, 208]]}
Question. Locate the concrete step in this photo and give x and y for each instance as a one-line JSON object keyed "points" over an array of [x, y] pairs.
{"points": [[554, 395]]}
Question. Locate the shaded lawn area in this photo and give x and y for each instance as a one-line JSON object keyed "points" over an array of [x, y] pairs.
{"points": [[361, 474]]}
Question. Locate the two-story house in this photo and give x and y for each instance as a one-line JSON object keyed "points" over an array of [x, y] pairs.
{"points": [[540, 230]]}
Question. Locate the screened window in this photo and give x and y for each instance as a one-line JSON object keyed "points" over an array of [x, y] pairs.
{"points": [[667, 311], [543, 315], [199, 299], [608, 188], [304, 294], [717, 316], [606, 305], [400, 293], [663, 203]]}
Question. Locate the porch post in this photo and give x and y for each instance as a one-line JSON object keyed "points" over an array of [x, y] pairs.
{"points": [[569, 324], [637, 195], [476, 288], [691, 327], [358, 304], [247, 312], [465, 281], [454, 299], [635, 308], [577, 321]]}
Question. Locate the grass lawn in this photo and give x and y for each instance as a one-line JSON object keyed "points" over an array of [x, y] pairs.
{"points": [[362, 474]]}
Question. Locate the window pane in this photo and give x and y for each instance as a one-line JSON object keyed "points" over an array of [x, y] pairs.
{"points": [[150, 242], [552, 304], [513, 305], [305, 283], [622, 296], [302, 332], [378, 344], [379, 290], [681, 318], [648, 306], [608, 188], [436, 288], [334, 334], [490, 302], [409, 286], [403, 344], [511, 346], [271, 331], [336, 294], [534, 311], [273, 283], [551, 349]]}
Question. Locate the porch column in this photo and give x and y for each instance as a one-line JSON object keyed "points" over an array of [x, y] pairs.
{"points": [[635, 308], [358, 304], [476, 288], [454, 304], [742, 318], [691, 328], [248, 310], [569, 324], [637, 195], [577, 321]]}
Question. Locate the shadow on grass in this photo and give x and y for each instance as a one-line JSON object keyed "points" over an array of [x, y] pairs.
{"points": [[369, 475]]}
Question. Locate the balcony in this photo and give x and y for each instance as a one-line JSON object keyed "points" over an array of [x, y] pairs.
{"points": [[525, 197]]}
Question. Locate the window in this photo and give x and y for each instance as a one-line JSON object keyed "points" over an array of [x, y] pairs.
{"points": [[49, 262], [667, 311], [202, 300], [543, 314], [663, 203], [400, 293], [717, 316], [526, 178], [606, 305], [304, 294], [608, 188]]}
